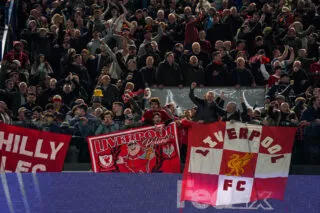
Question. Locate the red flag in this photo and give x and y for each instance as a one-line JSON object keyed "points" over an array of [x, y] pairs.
{"points": [[26, 150], [145, 150], [236, 163]]}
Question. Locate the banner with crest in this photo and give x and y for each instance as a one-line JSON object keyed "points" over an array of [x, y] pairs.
{"points": [[235, 163], [140, 150]]}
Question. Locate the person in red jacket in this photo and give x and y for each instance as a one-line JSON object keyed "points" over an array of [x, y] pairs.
{"points": [[155, 106], [191, 33], [183, 128]]}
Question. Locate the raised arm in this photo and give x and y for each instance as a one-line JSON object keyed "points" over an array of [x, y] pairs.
{"points": [[284, 54], [197, 101], [291, 59], [158, 37], [105, 11]]}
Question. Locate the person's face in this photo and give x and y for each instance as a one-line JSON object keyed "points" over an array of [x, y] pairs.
{"points": [[170, 58], [79, 59], [284, 107], [285, 79], [132, 51], [77, 33], [216, 18], [256, 18], [250, 113], [154, 106], [3, 106], [160, 15], [36, 115], [278, 71], [196, 48], [218, 45], [23, 88], [210, 97], [107, 119], [32, 25], [10, 85], [106, 80], [292, 33], [39, 90], [193, 61], [202, 35], [116, 108], [31, 99], [187, 11], [156, 119], [147, 92], [21, 115], [171, 19], [41, 58], [246, 29], [52, 84], [259, 43], [233, 11], [67, 88], [240, 63], [230, 107], [148, 36], [217, 57], [187, 113], [227, 45], [18, 47], [149, 62], [119, 84], [32, 89], [132, 65], [129, 87], [134, 149]]}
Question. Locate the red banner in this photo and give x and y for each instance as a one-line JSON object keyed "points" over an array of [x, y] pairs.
{"points": [[26, 150], [234, 163], [140, 150]]}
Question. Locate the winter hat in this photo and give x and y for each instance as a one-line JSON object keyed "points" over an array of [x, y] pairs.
{"points": [[57, 98], [97, 96]]}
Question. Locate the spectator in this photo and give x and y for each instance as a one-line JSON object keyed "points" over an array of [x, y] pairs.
{"points": [[107, 125], [216, 72], [4, 116], [207, 110], [155, 107], [195, 72], [243, 76], [169, 73], [110, 92], [149, 73]]}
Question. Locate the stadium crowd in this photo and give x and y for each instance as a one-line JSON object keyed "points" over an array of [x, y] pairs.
{"points": [[85, 67]]}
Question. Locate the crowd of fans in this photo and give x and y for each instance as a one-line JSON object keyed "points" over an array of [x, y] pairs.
{"points": [[85, 67]]}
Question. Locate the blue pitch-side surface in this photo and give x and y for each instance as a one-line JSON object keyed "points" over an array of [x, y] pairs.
{"points": [[143, 193]]}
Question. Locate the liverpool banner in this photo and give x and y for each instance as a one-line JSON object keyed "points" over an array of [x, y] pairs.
{"points": [[143, 150], [233, 163], [26, 150]]}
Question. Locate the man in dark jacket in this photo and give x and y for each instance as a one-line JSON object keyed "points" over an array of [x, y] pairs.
{"points": [[208, 110], [282, 88], [216, 72], [169, 73], [110, 92]]}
